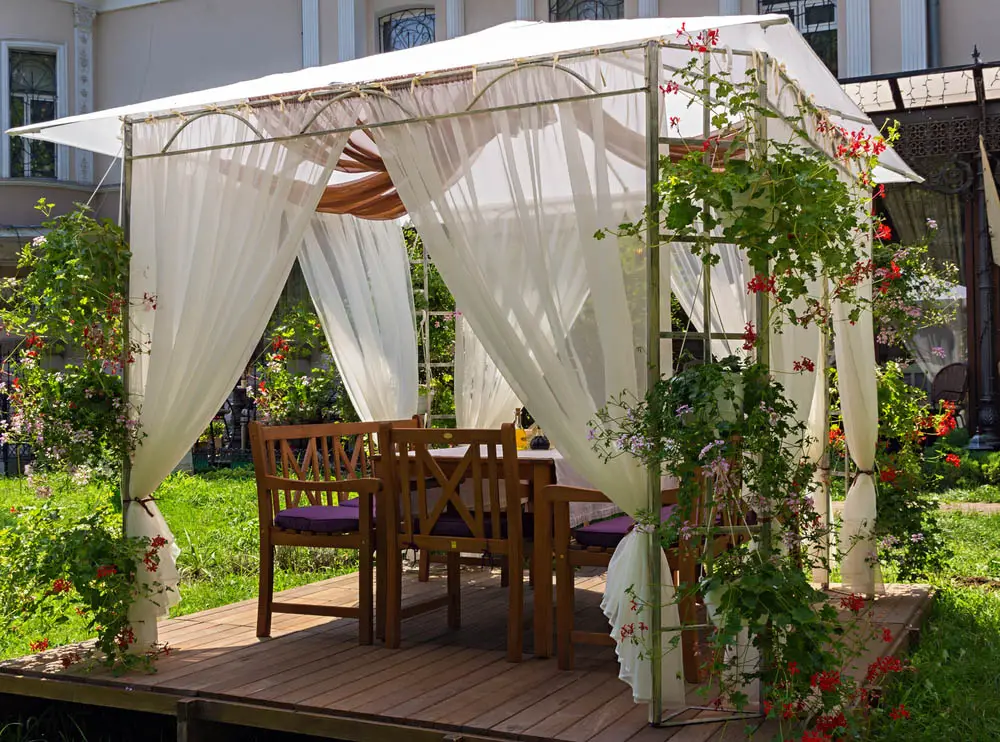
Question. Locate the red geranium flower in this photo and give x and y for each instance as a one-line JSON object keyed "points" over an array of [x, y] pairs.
{"points": [[900, 712], [39, 646], [888, 474], [106, 571], [855, 602], [825, 681], [953, 459], [883, 232], [886, 635]]}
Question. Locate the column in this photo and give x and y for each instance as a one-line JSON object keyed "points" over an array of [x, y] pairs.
{"points": [[857, 26], [455, 18], [525, 10], [83, 81], [913, 28], [346, 31], [649, 8], [729, 7], [310, 33]]}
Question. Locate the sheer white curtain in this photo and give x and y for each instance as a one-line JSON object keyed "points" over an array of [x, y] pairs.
{"points": [[210, 231], [855, 352], [358, 275], [483, 398], [507, 202]]}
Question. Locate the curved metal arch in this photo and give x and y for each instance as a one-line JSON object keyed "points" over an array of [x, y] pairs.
{"points": [[204, 114], [562, 68], [360, 93]]}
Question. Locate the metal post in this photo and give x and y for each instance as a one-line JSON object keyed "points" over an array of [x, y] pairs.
{"points": [[653, 360], [126, 219]]}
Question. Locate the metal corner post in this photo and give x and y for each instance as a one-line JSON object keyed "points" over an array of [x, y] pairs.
{"points": [[126, 220], [653, 65]]}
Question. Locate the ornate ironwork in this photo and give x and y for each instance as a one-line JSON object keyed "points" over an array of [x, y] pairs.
{"points": [[586, 10], [404, 29], [954, 176]]}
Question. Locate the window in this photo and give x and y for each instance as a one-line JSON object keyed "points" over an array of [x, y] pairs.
{"points": [[586, 10], [33, 95], [815, 19], [406, 28]]}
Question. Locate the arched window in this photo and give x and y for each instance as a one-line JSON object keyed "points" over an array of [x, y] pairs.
{"points": [[33, 94], [586, 10], [816, 21], [406, 28]]}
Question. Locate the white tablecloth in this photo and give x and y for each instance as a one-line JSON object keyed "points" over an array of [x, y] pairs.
{"points": [[579, 512]]}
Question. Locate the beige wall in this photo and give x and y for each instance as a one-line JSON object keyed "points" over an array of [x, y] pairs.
{"points": [[887, 41], [482, 14], [182, 45], [968, 22]]}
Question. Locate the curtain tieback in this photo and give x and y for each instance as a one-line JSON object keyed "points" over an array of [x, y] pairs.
{"points": [[143, 501], [859, 472]]}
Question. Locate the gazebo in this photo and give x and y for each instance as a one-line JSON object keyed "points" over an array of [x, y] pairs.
{"points": [[508, 149]]}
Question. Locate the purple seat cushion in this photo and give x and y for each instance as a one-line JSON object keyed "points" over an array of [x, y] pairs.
{"points": [[319, 519], [606, 534], [450, 524]]}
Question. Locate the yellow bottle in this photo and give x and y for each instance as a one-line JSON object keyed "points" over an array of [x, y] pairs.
{"points": [[520, 436]]}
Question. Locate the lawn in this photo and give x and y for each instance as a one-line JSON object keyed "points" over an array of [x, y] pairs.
{"points": [[957, 661], [214, 519]]}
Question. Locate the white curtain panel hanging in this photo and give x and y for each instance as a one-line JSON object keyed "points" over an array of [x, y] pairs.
{"points": [[854, 347], [358, 274], [507, 203], [210, 231], [483, 398]]}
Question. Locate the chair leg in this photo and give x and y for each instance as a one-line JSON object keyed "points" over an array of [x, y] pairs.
{"points": [[454, 590], [565, 599], [515, 598], [505, 571], [689, 637], [424, 568], [366, 597], [381, 573], [394, 596], [265, 589]]}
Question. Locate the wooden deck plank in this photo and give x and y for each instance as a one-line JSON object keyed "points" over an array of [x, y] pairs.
{"points": [[602, 717], [553, 703]]}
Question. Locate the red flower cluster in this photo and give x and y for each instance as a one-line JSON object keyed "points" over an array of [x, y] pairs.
{"points": [[40, 646], [125, 638], [883, 232], [106, 571], [858, 144], [836, 436], [761, 283], [793, 668], [749, 337], [61, 586], [886, 635], [830, 723], [854, 602], [815, 736], [827, 682], [900, 712], [805, 364], [675, 121], [670, 87], [881, 667], [701, 42], [158, 543], [947, 423], [953, 459], [888, 474], [33, 341]]}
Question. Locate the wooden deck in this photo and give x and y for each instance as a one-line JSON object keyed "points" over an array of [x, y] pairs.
{"points": [[312, 676]]}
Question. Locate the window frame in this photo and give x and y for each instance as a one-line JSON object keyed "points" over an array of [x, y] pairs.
{"points": [[389, 12], [553, 10], [799, 21], [61, 107]]}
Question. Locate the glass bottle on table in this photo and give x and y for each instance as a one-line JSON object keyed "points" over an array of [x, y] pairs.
{"points": [[520, 435]]}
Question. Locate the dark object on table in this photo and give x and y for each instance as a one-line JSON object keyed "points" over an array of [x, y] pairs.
{"points": [[539, 443], [526, 419]]}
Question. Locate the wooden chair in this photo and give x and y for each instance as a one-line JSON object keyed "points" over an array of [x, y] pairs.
{"points": [[951, 384], [428, 512], [593, 545], [307, 479]]}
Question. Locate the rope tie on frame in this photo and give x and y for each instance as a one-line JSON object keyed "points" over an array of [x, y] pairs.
{"points": [[142, 501]]}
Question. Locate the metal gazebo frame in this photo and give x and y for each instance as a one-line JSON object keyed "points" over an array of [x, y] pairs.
{"points": [[654, 69]]}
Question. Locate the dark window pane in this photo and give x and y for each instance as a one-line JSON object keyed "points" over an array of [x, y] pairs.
{"points": [[43, 159], [820, 14], [824, 43], [406, 28], [42, 110], [33, 73], [586, 10], [17, 157], [17, 112]]}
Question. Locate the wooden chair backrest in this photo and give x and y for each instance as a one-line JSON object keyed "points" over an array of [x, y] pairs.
{"points": [[411, 473], [950, 384], [324, 452]]}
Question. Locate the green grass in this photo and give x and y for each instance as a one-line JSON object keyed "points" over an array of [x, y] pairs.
{"points": [[957, 680], [214, 519], [982, 493]]}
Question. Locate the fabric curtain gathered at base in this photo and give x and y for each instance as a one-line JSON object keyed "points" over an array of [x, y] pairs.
{"points": [[483, 398], [508, 203], [358, 274], [210, 231]]}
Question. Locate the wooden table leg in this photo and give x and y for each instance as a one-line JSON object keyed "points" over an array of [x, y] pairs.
{"points": [[541, 478]]}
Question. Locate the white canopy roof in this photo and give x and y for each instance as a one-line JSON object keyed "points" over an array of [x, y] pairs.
{"points": [[774, 35]]}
